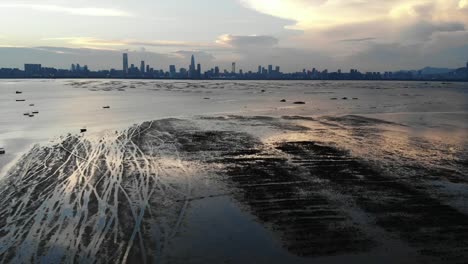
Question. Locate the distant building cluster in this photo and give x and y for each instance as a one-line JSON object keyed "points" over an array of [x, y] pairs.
{"points": [[194, 71]]}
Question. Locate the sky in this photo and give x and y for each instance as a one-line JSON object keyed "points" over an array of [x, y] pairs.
{"points": [[371, 35]]}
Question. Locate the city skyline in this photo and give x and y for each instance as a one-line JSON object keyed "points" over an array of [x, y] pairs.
{"points": [[370, 35], [194, 71]]}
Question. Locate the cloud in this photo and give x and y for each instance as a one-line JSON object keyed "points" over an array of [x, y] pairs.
{"points": [[79, 11], [463, 4], [330, 13], [253, 41], [95, 43], [423, 30], [201, 56], [357, 40], [386, 57], [321, 13]]}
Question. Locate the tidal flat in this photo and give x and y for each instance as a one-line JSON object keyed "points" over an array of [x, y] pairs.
{"points": [[223, 172]]}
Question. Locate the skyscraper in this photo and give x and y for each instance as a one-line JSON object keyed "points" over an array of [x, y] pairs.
{"points": [[233, 68], [142, 67], [125, 63], [172, 71], [270, 69], [198, 70], [192, 68]]}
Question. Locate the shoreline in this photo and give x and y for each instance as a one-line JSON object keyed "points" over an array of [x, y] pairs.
{"points": [[233, 79]]}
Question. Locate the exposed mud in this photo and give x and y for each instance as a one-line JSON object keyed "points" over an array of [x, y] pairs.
{"points": [[123, 197]]}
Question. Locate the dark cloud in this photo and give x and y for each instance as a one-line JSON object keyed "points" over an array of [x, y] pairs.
{"points": [[423, 30], [386, 57]]}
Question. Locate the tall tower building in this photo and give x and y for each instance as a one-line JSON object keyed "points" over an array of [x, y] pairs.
{"points": [[233, 68], [172, 71], [125, 63], [198, 70], [142, 67], [192, 68]]}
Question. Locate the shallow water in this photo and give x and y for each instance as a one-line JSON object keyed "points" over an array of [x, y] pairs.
{"points": [[238, 163]]}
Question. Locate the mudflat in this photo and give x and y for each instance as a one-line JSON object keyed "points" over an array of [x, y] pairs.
{"points": [[326, 182]]}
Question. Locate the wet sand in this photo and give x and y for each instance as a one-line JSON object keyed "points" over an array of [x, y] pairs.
{"points": [[237, 188]]}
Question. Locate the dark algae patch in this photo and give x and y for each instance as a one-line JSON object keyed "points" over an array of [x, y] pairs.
{"points": [[281, 196], [433, 228]]}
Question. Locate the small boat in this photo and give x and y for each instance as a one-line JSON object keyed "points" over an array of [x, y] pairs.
{"points": [[106, 107], [31, 105], [2, 151], [20, 100], [31, 115], [83, 130], [299, 102], [19, 92], [35, 112], [26, 114]]}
